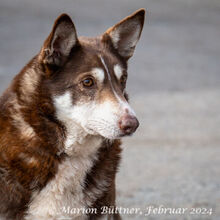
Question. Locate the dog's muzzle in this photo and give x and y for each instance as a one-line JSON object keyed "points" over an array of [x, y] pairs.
{"points": [[128, 124]]}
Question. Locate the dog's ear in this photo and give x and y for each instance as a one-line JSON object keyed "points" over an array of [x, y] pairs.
{"points": [[60, 42], [125, 35]]}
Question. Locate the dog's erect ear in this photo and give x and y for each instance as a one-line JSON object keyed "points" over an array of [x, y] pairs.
{"points": [[60, 42], [126, 33]]}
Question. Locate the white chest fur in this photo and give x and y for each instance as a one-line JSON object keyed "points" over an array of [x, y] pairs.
{"points": [[66, 189]]}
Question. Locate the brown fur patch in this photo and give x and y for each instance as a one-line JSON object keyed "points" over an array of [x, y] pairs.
{"points": [[32, 138]]}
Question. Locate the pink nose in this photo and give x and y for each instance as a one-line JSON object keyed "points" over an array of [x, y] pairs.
{"points": [[128, 124]]}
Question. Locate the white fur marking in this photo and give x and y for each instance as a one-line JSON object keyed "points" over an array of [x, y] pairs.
{"points": [[73, 118], [65, 190], [85, 119], [98, 74], [118, 71]]}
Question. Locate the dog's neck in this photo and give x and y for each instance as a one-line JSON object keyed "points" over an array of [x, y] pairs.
{"points": [[78, 142]]}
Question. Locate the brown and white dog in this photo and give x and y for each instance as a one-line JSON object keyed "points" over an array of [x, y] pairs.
{"points": [[60, 124]]}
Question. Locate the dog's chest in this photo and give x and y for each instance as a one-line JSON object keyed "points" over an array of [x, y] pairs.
{"points": [[65, 190]]}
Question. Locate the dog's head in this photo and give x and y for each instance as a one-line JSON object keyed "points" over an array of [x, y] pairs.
{"points": [[87, 76]]}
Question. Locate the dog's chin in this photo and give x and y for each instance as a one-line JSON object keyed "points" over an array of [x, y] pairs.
{"points": [[104, 134], [116, 136], [111, 137]]}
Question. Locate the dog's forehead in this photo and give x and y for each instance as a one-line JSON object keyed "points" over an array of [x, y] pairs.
{"points": [[100, 60]]}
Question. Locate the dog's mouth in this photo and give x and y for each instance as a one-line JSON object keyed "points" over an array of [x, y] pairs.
{"points": [[126, 126]]}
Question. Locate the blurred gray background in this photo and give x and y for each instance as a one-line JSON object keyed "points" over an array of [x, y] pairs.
{"points": [[174, 84]]}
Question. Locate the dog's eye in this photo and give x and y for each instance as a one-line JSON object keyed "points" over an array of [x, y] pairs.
{"points": [[88, 82], [123, 80]]}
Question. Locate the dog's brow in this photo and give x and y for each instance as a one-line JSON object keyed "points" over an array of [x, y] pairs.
{"points": [[107, 71], [98, 73], [118, 71]]}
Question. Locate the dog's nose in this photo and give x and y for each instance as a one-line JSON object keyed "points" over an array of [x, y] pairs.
{"points": [[128, 124]]}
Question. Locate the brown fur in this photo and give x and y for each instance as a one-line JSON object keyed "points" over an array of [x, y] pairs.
{"points": [[31, 137]]}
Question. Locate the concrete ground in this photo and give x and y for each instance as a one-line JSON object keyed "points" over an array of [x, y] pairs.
{"points": [[173, 159]]}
